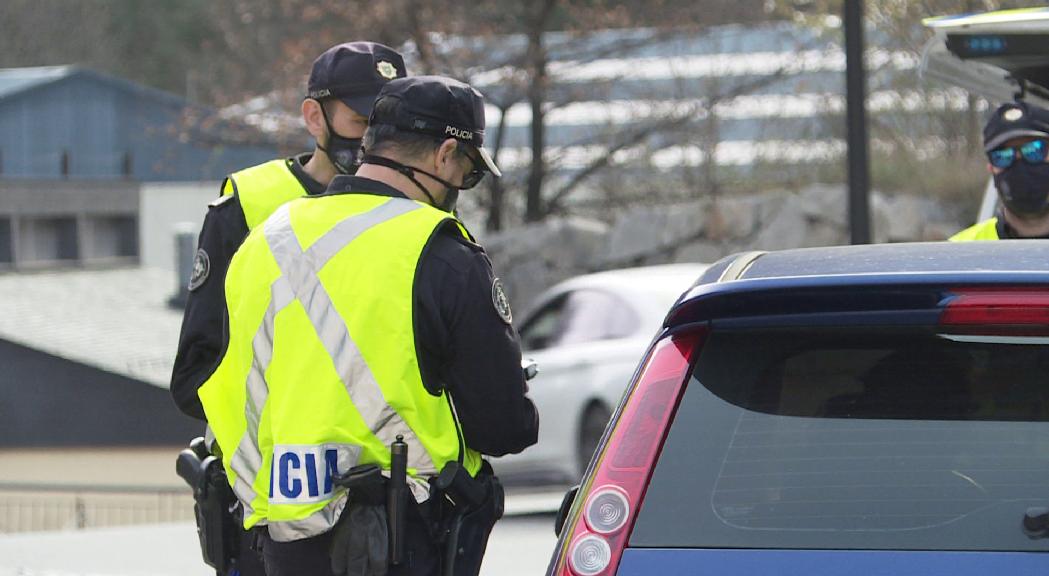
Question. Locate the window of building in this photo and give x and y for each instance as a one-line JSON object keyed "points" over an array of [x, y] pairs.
{"points": [[110, 237], [47, 239]]}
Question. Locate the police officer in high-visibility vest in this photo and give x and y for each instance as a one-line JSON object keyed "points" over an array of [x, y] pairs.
{"points": [[1016, 140], [365, 317], [342, 87]]}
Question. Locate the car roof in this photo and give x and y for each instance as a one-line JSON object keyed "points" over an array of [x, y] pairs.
{"points": [[816, 278], [963, 260]]}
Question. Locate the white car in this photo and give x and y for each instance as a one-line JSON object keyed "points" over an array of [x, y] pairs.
{"points": [[587, 335]]}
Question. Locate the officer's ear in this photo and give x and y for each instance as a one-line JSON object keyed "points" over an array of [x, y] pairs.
{"points": [[447, 155], [313, 116]]}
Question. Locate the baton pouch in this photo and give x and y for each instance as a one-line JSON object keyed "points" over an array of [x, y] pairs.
{"points": [[360, 541]]}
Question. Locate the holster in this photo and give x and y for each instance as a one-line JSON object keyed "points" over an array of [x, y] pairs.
{"points": [[215, 506], [464, 497]]}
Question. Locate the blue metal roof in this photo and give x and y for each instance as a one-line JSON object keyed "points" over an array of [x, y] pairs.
{"points": [[16, 80], [72, 122]]}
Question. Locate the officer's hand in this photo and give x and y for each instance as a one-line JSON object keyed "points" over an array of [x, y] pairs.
{"points": [[360, 543]]}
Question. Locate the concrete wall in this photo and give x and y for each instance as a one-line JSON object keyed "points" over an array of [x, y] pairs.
{"points": [[163, 207], [82, 221]]}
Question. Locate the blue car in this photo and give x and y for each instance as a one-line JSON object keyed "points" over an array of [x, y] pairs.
{"points": [[853, 410]]}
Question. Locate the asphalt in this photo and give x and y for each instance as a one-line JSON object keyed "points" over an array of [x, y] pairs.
{"points": [[520, 545]]}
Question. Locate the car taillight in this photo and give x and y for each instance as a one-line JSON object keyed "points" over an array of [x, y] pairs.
{"points": [[997, 311], [603, 516]]}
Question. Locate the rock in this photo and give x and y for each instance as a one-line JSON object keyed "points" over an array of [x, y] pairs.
{"points": [[524, 281], [906, 217], [880, 218], [939, 231], [685, 222], [636, 234], [784, 228], [825, 203], [820, 233], [534, 257], [701, 252], [530, 259], [732, 218]]}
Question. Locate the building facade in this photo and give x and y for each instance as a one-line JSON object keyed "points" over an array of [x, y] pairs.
{"points": [[75, 147]]}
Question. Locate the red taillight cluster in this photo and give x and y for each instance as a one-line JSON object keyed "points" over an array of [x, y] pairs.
{"points": [[998, 311], [599, 528]]}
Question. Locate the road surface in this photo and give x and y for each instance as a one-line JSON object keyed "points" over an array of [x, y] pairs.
{"points": [[520, 545]]}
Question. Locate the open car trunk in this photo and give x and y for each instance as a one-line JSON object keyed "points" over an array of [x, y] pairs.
{"points": [[996, 55]]}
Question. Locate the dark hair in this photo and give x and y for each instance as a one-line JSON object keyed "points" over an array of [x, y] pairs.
{"points": [[388, 140]]}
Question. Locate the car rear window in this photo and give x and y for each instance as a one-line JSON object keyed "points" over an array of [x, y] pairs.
{"points": [[839, 439]]}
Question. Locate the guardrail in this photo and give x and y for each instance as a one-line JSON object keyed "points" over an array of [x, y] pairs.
{"points": [[48, 507]]}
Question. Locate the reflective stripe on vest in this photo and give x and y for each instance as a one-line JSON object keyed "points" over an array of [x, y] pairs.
{"points": [[262, 189], [986, 230], [291, 352]]}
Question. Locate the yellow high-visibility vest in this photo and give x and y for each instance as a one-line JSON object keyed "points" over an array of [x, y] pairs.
{"points": [[262, 189], [986, 230], [321, 373]]}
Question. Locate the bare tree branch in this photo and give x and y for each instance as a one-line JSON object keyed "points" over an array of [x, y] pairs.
{"points": [[637, 134]]}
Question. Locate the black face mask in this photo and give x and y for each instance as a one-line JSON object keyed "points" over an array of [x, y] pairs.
{"points": [[1024, 188], [344, 153], [451, 195]]}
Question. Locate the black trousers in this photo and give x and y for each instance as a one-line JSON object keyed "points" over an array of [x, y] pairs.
{"points": [[249, 561], [423, 552]]}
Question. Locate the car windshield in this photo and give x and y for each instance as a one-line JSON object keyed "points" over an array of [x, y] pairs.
{"points": [[839, 439]]}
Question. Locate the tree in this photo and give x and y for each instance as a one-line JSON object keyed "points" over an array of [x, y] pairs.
{"points": [[154, 42], [223, 53]]}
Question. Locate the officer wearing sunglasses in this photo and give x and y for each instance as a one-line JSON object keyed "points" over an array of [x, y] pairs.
{"points": [[1016, 140], [366, 318]]}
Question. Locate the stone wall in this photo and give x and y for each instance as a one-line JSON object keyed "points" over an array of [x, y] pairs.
{"points": [[532, 258]]}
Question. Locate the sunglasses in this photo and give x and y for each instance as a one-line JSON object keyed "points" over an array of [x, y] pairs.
{"points": [[1033, 152], [474, 176]]}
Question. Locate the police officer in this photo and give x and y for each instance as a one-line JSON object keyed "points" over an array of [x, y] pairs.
{"points": [[362, 315], [1016, 140], [342, 87]]}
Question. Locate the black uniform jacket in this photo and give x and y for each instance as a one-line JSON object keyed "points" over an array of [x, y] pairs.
{"points": [[461, 340], [201, 342]]}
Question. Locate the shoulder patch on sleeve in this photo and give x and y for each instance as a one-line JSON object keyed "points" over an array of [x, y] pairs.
{"points": [[220, 201], [201, 269], [501, 302]]}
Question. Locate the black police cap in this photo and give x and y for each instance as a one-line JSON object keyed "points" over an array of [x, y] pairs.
{"points": [[1015, 120], [354, 72], [438, 106]]}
